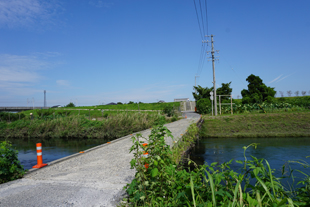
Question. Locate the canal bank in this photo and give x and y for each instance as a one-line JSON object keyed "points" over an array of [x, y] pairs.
{"points": [[94, 178]]}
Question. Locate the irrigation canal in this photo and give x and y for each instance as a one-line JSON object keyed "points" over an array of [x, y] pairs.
{"points": [[277, 151], [93, 178]]}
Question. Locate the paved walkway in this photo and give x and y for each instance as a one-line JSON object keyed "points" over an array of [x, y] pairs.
{"points": [[95, 178]]}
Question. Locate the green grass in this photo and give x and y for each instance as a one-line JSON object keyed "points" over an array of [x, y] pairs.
{"points": [[113, 126], [135, 106], [294, 124], [92, 113]]}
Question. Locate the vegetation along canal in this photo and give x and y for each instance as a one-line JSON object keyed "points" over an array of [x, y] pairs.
{"points": [[278, 152]]}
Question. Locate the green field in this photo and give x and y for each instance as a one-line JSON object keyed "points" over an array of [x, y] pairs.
{"points": [[134, 106]]}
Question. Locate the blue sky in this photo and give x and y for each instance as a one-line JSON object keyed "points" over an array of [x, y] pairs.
{"points": [[99, 51]]}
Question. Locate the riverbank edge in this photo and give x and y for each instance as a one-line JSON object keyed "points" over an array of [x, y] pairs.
{"points": [[279, 130], [182, 148]]}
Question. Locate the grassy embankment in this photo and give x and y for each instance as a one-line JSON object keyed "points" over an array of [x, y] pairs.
{"points": [[110, 127], [134, 106], [89, 123], [294, 124]]}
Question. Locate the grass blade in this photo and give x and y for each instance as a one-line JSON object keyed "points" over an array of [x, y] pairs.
{"points": [[265, 187], [258, 199], [236, 193], [271, 180], [192, 189], [212, 188]]}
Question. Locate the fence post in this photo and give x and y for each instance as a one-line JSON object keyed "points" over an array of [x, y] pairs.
{"points": [[231, 104]]}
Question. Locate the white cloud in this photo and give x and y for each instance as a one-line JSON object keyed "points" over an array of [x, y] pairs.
{"points": [[101, 3], [20, 73], [63, 83], [15, 13], [275, 78], [285, 77], [14, 68]]}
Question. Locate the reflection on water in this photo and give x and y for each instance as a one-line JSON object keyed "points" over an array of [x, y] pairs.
{"points": [[276, 150], [53, 149]]}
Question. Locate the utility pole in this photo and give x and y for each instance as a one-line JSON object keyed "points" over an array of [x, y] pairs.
{"points": [[213, 66], [44, 98], [214, 85], [195, 84]]}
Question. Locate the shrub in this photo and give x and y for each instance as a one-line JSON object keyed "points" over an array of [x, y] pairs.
{"points": [[10, 167], [6, 116], [70, 105], [169, 110], [204, 106], [44, 112]]}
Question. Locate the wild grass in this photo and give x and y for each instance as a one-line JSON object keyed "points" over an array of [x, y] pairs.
{"points": [[257, 125], [109, 127], [134, 106]]}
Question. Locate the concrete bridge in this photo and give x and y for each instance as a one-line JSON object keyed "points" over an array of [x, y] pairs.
{"points": [[93, 178], [20, 108]]}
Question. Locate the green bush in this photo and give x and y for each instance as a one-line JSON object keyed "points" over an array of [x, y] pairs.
{"points": [[6, 116], [169, 110], [44, 112], [10, 167], [204, 106], [70, 105]]}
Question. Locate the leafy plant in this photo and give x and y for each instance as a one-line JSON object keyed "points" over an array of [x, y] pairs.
{"points": [[162, 183], [10, 167], [204, 106], [169, 110]]}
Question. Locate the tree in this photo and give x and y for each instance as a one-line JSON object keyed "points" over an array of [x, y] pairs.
{"points": [[296, 93], [289, 93], [202, 92], [70, 105], [224, 90], [303, 93], [257, 91], [119, 103], [131, 102], [205, 92], [281, 92]]}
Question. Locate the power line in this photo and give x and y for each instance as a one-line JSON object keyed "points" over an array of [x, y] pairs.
{"points": [[207, 25], [198, 19], [203, 26]]}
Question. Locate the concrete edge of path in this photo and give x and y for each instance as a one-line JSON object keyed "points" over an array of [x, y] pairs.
{"points": [[85, 151]]}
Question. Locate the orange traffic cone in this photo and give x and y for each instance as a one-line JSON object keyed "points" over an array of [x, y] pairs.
{"points": [[39, 157], [145, 154]]}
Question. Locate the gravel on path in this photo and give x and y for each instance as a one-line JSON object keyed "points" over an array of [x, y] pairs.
{"points": [[94, 178]]}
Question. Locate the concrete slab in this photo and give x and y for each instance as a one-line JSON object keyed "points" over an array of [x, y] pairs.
{"points": [[94, 178]]}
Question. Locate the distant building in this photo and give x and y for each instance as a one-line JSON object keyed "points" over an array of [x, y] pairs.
{"points": [[181, 99], [161, 101]]}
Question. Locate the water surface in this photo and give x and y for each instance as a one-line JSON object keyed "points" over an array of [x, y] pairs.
{"points": [[53, 149]]}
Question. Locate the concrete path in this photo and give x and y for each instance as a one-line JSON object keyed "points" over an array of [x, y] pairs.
{"points": [[94, 178]]}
